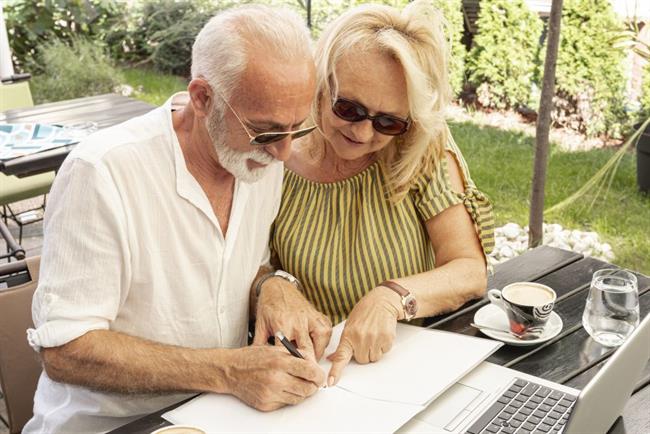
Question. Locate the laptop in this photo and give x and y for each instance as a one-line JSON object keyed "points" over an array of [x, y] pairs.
{"points": [[493, 399]]}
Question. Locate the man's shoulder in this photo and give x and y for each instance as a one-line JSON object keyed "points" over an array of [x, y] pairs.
{"points": [[137, 134]]}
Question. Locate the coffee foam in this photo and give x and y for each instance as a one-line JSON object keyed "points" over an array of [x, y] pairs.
{"points": [[528, 295]]}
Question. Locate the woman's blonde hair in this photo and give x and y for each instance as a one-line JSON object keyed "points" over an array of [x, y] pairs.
{"points": [[413, 37]]}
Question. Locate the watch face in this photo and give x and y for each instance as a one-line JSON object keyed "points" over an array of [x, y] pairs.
{"points": [[285, 275], [410, 305]]}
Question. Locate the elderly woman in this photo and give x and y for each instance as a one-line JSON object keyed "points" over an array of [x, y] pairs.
{"points": [[380, 220]]}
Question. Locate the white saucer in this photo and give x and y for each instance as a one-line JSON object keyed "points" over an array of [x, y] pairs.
{"points": [[492, 316]]}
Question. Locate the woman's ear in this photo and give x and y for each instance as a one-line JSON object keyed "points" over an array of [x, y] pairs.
{"points": [[201, 95]]}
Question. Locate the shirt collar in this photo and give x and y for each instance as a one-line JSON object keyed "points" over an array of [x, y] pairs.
{"points": [[189, 188]]}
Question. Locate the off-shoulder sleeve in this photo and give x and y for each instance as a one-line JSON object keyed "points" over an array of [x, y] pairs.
{"points": [[433, 194]]}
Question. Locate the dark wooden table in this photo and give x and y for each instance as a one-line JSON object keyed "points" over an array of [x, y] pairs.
{"points": [[104, 110], [572, 358]]}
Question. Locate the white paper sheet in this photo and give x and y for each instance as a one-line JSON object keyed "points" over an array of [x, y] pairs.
{"points": [[330, 410], [422, 364], [377, 397]]}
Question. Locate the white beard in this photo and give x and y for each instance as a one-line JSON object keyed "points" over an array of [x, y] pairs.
{"points": [[235, 162]]}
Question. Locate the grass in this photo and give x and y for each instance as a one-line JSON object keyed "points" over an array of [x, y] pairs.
{"points": [[501, 163], [153, 87]]}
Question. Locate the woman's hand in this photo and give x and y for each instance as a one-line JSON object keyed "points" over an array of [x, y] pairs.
{"points": [[282, 307], [369, 331]]}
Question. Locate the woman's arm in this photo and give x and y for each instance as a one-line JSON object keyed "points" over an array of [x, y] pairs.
{"points": [[460, 275]]}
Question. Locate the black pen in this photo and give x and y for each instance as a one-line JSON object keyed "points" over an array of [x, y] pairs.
{"points": [[288, 345]]}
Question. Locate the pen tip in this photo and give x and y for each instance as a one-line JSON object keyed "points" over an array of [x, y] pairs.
{"points": [[279, 335]]}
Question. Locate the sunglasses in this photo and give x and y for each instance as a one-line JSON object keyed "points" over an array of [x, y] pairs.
{"points": [[382, 123], [268, 138]]}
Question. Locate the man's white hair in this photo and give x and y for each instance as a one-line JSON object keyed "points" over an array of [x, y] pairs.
{"points": [[221, 50]]}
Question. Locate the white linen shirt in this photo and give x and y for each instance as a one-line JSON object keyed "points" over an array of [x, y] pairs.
{"points": [[132, 245]]}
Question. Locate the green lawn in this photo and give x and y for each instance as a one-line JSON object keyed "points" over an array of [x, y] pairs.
{"points": [[151, 86], [501, 164]]}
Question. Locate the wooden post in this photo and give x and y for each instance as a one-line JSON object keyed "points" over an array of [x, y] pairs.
{"points": [[309, 13], [536, 223]]}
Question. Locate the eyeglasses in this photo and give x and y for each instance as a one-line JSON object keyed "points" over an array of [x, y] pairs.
{"points": [[354, 112], [268, 138]]}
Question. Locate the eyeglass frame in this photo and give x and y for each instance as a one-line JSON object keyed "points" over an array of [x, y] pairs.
{"points": [[281, 134], [367, 116]]}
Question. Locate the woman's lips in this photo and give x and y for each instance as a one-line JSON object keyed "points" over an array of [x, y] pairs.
{"points": [[351, 141]]}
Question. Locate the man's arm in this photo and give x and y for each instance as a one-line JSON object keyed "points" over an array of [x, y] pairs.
{"points": [[264, 270], [282, 307], [263, 377]]}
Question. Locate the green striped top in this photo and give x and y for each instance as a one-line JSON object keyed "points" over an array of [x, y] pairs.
{"points": [[342, 239]]}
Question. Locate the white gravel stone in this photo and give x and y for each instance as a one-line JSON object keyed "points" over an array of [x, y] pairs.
{"points": [[512, 240], [511, 230]]}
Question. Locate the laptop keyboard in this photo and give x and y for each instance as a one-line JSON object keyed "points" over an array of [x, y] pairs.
{"points": [[526, 408]]}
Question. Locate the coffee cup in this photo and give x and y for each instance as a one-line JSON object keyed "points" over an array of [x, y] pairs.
{"points": [[528, 305], [179, 429]]}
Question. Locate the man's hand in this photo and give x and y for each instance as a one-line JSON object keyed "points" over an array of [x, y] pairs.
{"points": [[267, 378], [282, 307], [369, 331]]}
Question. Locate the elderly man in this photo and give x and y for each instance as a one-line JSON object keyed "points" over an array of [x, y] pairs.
{"points": [[156, 230]]}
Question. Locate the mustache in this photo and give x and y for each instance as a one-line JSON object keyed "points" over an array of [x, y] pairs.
{"points": [[261, 157]]}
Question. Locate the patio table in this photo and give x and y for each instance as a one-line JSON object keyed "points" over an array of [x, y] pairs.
{"points": [[571, 358], [104, 110]]}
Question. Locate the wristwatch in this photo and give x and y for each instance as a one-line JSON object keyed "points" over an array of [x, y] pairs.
{"points": [[409, 303], [277, 273]]}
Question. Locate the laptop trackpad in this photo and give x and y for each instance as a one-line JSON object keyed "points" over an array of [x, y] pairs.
{"points": [[452, 407]]}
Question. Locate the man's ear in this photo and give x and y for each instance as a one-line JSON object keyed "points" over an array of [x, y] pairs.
{"points": [[201, 95]]}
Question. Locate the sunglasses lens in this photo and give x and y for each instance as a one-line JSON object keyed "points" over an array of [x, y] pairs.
{"points": [[266, 138], [389, 126], [349, 111], [302, 133]]}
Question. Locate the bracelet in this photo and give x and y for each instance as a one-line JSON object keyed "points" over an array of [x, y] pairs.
{"points": [[277, 273]]}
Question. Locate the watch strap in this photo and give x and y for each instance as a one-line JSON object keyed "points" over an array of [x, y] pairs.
{"points": [[409, 304], [403, 292], [277, 273]]}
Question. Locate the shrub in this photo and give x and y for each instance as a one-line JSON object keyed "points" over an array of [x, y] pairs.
{"points": [[32, 23], [590, 83], [161, 32], [322, 12], [73, 71], [173, 26], [451, 9], [501, 63]]}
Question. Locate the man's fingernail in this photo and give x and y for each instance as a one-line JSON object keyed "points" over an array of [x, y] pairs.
{"points": [[330, 381]]}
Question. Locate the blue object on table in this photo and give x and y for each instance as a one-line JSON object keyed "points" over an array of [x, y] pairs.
{"points": [[17, 140]]}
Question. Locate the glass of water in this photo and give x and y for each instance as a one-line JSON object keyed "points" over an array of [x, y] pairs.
{"points": [[612, 310]]}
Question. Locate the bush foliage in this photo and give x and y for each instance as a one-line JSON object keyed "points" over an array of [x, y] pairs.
{"points": [[161, 32], [72, 71], [502, 62], [32, 23], [590, 83], [451, 10]]}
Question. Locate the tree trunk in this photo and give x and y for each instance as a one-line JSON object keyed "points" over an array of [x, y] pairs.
{"points": [[535, 226]]}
